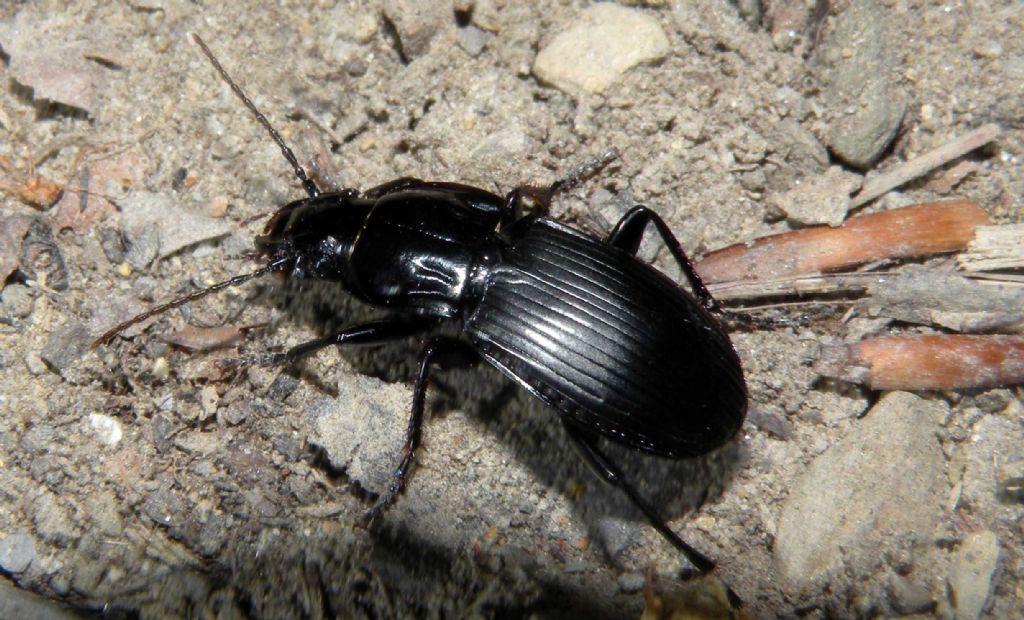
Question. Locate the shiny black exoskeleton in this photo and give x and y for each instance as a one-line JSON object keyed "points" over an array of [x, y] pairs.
{"points": [[615, 346]]}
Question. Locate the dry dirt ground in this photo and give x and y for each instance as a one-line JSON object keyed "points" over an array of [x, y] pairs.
{"points": [[144, 479]]}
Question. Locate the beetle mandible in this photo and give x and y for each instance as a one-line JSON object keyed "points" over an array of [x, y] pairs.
{"points": [[611, 343]]}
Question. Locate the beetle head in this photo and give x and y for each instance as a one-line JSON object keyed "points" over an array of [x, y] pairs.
{"points": [[314, 236]]}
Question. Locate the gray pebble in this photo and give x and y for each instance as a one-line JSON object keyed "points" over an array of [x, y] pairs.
{"points": [[800, 153], [822, 199], [51, 519], [236, 412], [970, 576], [358, 430], [993, 401], [865, 106], [162, 433], [416, 23], [615, 535], [19, 603], [164, 506], [34, 363], [17, 551], [288, 445], [112, 244], [282, 387], [631, 583], [155, 225], [851, 504], [908, 597], [213, 534], [17, 300], [65, 346], [473, 39], [772, 422]]}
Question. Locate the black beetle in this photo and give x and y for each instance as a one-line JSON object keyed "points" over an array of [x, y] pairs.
{"points": [[610, 342]]}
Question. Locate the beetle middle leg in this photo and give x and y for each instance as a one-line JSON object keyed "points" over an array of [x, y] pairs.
{"points": [[376, 332], [445, 353]]}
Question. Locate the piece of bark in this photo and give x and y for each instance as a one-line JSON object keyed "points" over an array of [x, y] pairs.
{"points": [[918, 230], [929, 362]]}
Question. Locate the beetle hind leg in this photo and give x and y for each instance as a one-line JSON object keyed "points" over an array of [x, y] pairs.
{"points": [[606, 468], [444, 353], [630, 231], [610, 472]]}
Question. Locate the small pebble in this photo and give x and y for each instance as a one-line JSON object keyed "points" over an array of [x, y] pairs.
{"points": [[879, 503], [208, 399], [65, 346], [416, 22], [235, 413], [161, 369], [988, 49], [107, 429], [866, 106], [35, 364], [615, 535], [1010, 481], [473, 39], [17, 300], [606, 41], [218, 206], [631, 583], [17, 551], [970, 576], [365, 28], [910, 598]]}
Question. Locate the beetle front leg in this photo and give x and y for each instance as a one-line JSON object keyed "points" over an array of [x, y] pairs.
{"points": [[376, 332], [444, 353], [543, 196]]}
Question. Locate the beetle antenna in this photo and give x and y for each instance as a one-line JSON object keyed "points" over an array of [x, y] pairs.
{"points": [[307, 183], [181, 301]]}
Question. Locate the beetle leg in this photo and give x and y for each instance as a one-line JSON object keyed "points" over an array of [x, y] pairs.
{"points": [[542, 196], [607, 469], [630, 231], [376, 332], [443, 352]]}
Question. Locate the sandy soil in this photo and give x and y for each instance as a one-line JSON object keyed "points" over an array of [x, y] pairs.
{"points": [[143, 478]]}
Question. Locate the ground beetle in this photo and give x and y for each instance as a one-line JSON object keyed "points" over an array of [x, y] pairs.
{"points": [[615, 346]]}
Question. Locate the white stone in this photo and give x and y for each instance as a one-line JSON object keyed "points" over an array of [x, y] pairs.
{"points": [[608, 41], [107, 429]]}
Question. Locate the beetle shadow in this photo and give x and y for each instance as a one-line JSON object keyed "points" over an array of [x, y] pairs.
{"points": [[531, 430], [535, 434]]}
